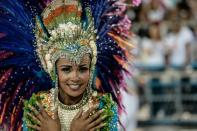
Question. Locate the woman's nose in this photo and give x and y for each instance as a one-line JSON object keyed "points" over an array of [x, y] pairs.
{"points": [[75, 76]]}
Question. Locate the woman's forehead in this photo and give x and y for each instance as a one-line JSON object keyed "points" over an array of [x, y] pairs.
{"points": [[84, 60]]}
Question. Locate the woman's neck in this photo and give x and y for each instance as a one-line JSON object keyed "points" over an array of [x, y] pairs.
{"points": [[69, 100]]}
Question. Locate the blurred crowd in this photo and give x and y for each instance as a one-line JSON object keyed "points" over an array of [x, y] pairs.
{"points": [[166, 34], [166, 42]]}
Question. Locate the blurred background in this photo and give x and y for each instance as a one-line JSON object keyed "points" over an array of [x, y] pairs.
{"points": [[166, 64]]}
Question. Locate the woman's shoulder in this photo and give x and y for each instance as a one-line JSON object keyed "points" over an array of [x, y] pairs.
{"points": [[103, 99], [110, 107], [44, 98]]}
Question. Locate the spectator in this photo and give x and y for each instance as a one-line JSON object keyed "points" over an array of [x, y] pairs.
{"points": [[156, 11], [152, 49], [178, 44]]}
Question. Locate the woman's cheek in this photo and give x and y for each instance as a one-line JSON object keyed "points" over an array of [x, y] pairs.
{"points": [[63, 76], [85, 76]]}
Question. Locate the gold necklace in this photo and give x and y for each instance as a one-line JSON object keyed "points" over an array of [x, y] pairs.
{"points": [[83, 101]]}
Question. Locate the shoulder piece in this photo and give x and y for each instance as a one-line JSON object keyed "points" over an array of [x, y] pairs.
{"points": [[44, 98], [110, 110]]}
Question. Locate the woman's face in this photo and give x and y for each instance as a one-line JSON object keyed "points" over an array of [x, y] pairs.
{"points": [[73, 78]]}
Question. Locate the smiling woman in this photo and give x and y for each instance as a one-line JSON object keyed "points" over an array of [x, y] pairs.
{"points": [[75, 108], [69, 56]]}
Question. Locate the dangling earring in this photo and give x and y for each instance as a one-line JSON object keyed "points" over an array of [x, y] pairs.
{"points": [[56, 91], [91, 80], [89, 88]]}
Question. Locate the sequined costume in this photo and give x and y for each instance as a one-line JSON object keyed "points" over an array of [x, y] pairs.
{"points": [[66, 113], [28, 31]]}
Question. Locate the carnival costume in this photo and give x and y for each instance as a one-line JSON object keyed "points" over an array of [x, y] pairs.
{"points": [[34, 34]]}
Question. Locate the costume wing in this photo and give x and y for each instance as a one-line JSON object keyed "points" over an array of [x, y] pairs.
{"points": [[113, 32], [20, 73]]}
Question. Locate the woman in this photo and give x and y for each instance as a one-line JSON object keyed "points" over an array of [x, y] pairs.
{"points": [[73, 83], [69, 57], [70, 50]]}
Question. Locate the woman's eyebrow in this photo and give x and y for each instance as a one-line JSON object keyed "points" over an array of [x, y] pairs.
{"points": [[65, 66], [83, 65]]}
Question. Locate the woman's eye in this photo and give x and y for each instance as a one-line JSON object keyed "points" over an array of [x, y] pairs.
{"points": [[83, 69], [67, 70]]}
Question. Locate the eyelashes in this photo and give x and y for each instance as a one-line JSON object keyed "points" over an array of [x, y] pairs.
{"points": [[66, 70], [80, 69], [83, 69]]}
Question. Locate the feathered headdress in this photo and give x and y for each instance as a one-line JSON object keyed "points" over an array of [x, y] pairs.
{"points": [[24, 30]]}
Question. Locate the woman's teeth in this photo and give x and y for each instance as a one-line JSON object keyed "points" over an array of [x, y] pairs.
{"points": [[74, 86]]}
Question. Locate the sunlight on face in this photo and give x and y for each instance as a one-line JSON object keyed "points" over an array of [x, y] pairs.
{"points": [[73, 78]]}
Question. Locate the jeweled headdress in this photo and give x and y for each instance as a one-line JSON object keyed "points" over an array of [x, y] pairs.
{"points": [[61, 33], [35, 33]]}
